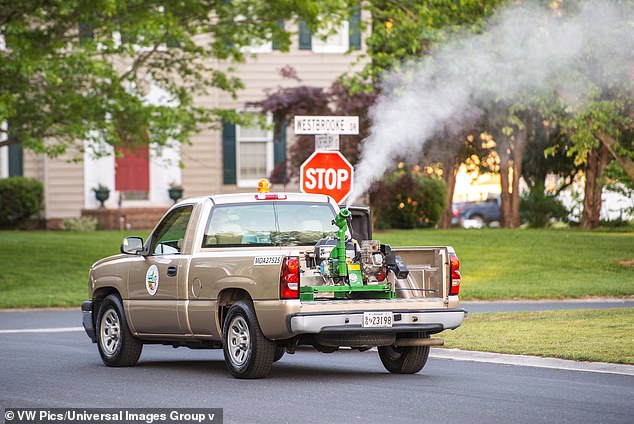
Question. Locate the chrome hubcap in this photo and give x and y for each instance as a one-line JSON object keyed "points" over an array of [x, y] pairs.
{"points": [[110, 330], [239, 341]]}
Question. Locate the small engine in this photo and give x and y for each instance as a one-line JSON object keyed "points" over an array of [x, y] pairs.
{"points": [[345, 262], [372, 262]]}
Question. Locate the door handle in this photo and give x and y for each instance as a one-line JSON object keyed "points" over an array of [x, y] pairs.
{"points": [[171, 271]]}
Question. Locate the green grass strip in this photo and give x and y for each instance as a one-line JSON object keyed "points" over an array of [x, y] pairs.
{"points": [[605, 335]]}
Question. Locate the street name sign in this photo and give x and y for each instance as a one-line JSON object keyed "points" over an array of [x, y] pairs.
{"points": [[344, 125]]}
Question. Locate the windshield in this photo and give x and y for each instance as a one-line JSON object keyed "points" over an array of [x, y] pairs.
{"points": [[269, 224]]}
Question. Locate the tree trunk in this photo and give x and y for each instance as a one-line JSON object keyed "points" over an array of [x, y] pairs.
{"points": [[598, 159], [626, 163], [518, 153], [450, 170], [505, 195]]}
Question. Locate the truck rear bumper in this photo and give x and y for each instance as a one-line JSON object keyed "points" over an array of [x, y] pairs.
{"points": [[432, 321]]}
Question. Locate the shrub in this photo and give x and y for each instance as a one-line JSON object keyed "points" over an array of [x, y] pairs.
{"points": [[84, 223], [538, 209], [619, 222], [407, 198], [20, 199]]}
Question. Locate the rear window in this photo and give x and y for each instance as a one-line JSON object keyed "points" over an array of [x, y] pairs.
{"points": [[269, 224]]}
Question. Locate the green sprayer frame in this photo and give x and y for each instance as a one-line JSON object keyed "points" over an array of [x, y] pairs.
{"points": [[379, 291]]}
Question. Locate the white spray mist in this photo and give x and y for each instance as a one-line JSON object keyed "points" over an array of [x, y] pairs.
{"points": [[526, 49]]}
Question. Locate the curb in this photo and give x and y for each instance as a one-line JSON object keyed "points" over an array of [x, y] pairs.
{"points": [[531, 361]]}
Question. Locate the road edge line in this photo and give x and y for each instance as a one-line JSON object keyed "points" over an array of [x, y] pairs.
{"points": [[531, 361], [42, 330]]}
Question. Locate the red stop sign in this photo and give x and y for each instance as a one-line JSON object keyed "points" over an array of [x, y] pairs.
{"points": [[327, 173]]}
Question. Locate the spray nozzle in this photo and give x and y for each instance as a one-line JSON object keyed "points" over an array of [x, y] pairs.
{"points": [[342, 218]]}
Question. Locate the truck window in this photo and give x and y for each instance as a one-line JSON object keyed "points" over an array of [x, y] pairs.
{"points": [[269, 224], [237, 225], [304, 224], [170, 233]]}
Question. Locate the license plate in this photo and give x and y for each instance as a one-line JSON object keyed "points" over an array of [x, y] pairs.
{"points": [[377, 319]]}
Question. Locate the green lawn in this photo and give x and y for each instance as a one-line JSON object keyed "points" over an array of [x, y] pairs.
{"points": [[584, 335], [534, 264], [48, 268]]}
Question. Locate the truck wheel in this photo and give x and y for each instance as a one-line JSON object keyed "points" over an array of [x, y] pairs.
{"points": [[117, 346], [405, 359], [248, 354], [279, 352]]}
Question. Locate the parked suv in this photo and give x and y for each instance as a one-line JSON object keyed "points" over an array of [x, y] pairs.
{"points": [[476, 214]]}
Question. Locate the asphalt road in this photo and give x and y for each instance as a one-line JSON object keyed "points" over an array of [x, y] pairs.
{"points": [[72, 317], [63, 369]]}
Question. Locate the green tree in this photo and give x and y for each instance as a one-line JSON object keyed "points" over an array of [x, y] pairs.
{"points": [[408, 29], [540, 204], [600, 133], [73, 70], [407, 198], [598, 117]]}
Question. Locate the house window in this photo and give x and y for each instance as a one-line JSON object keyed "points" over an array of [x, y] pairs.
{"points": [[344, 37], [264, 47], [335, 42], [251, 153], [254, 154]]}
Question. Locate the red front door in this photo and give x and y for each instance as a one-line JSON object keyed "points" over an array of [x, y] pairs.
{"points": [[132, 170]]}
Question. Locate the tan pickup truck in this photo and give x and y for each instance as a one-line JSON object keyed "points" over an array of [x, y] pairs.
{"points": [[260, 274]]}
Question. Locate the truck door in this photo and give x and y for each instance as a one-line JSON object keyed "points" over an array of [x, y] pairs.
{"points": [[155, 284]]}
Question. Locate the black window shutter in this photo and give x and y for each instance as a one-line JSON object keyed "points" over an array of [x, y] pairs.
{"points": [[16, 160], [281, 25], [305, 37], [279, 145], [229, 153], [355, 28], [85, 33]]}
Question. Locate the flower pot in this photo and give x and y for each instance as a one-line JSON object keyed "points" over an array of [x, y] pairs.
{"points": [[102, 195], [175, 194]]}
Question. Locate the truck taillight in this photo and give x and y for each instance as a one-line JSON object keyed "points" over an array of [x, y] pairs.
{"points": [[289, 278], [455, 274]]}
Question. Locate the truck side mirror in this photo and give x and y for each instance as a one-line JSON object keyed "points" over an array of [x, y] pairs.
{"points": [[132, 245]]}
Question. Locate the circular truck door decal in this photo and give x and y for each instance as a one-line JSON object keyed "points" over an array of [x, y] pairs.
{"points": [[152, 280]]}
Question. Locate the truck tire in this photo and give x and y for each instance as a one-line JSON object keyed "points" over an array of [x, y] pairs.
{"points": [[279, 353], [117, 346], [404, 359], [248, 354]]}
